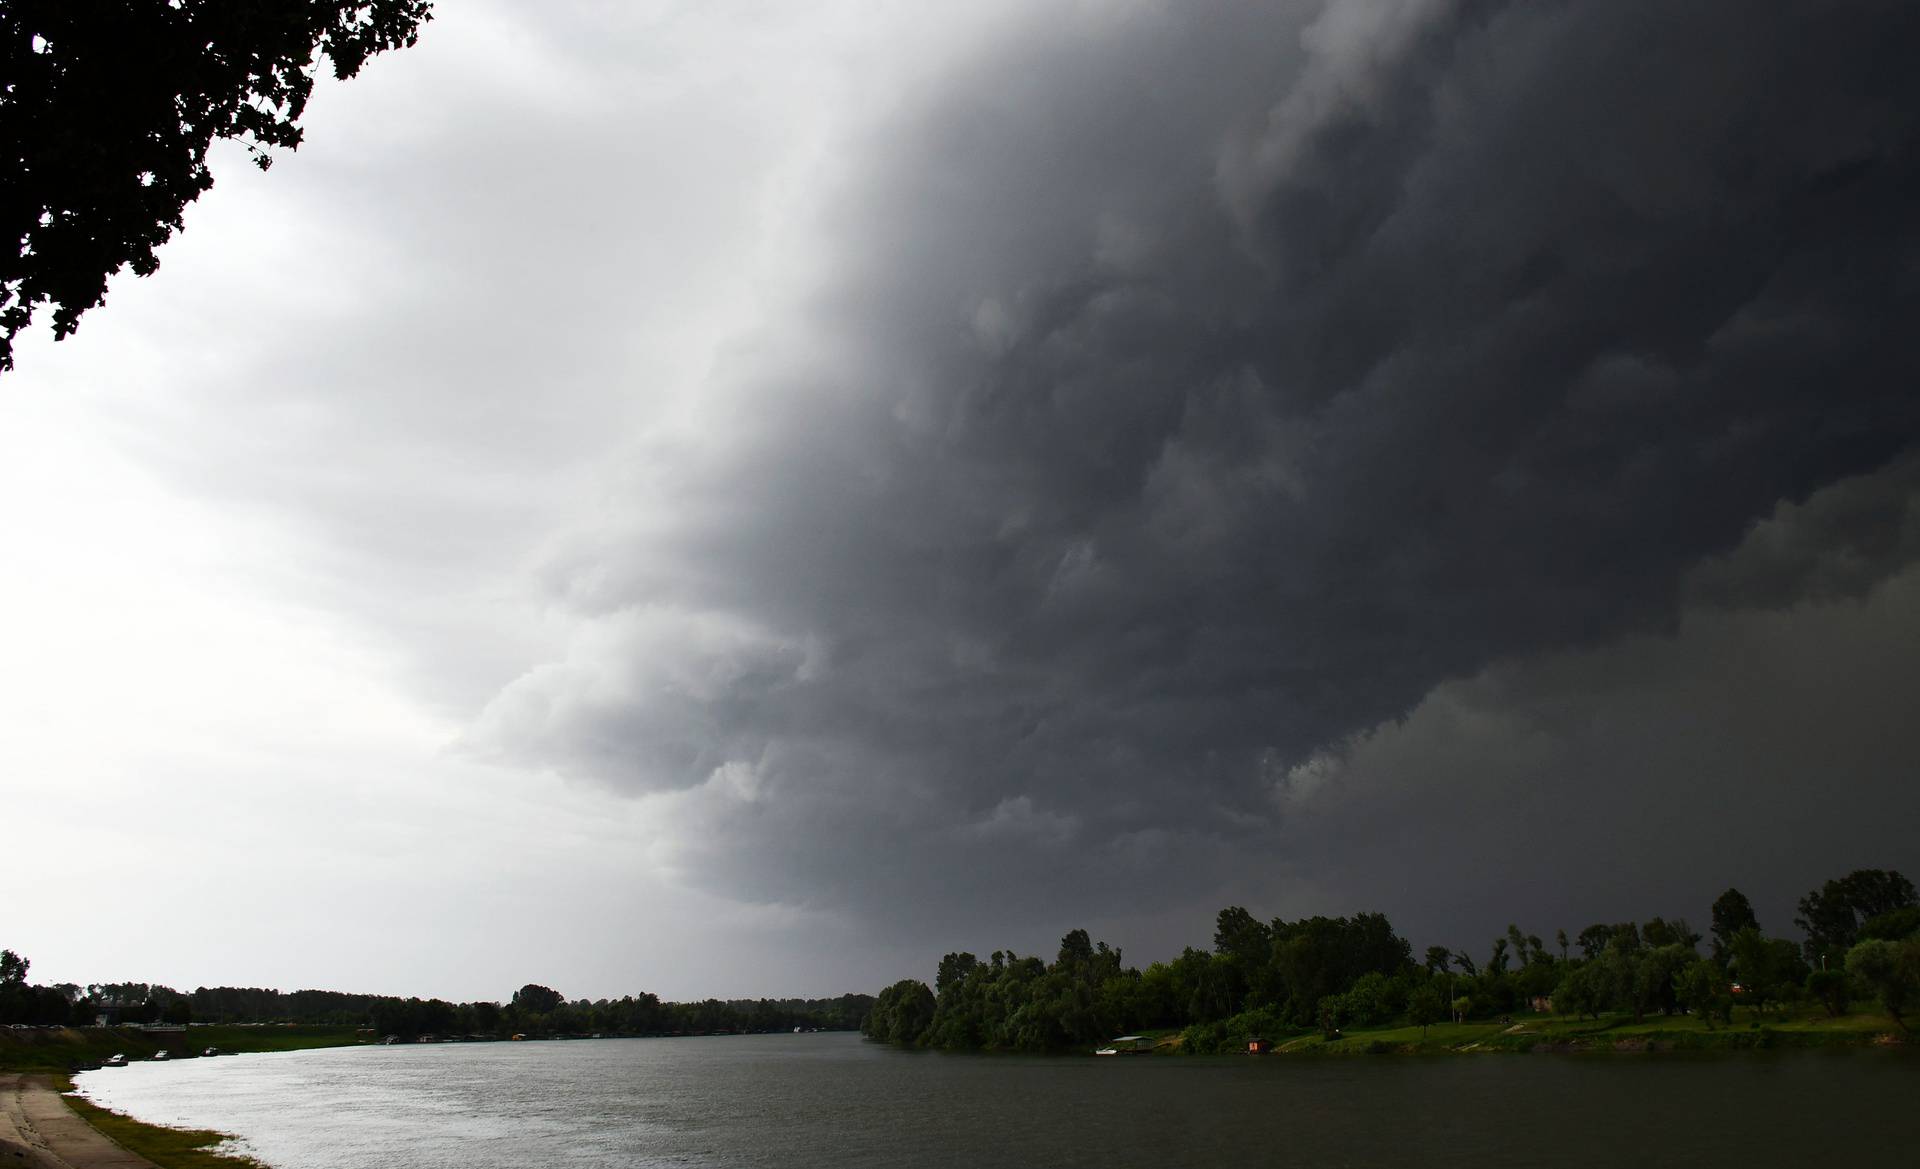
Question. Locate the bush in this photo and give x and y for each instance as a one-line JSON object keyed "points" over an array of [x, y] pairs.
{"points": [[1230, 1034]]}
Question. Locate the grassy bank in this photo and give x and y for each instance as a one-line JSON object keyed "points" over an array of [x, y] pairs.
{"points": [[169, 1148], [63, 1049], [1804, 1028]]}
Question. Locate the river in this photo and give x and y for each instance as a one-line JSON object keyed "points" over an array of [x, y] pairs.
{"points": [[805, 1101]]}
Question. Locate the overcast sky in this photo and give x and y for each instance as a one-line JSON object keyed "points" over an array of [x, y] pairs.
{"points": [[741, 499]]}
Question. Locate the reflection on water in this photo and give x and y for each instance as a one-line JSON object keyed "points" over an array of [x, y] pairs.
{"points": [[832, 1100]]}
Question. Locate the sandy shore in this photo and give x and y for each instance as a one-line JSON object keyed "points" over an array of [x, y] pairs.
{"points": [[39, 1131]]}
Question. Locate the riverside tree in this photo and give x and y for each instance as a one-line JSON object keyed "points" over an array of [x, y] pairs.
{"points": [[1833, 914], [1892, 970], [1732, 912], [110, 110]]}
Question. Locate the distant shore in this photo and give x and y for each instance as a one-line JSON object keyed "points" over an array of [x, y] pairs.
{"points": [[71, 1049], [1519, 1034]]}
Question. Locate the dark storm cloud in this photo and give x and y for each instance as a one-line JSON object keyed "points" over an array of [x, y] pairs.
{"points": [[1205, 384]]}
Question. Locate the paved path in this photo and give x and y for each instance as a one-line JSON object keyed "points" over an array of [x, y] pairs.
{"points": [[39, 1131]]}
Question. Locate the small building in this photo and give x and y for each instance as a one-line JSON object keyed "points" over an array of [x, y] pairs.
{"points": [[1258, 1046]]}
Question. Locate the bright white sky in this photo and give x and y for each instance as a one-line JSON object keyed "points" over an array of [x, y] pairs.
{"points": [[231, 699]]}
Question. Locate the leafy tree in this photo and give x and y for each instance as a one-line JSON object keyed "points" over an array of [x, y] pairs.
{"points": [[1702, 989], [1732, 912], [1560, 936], [110, 111], [1661, 932], [1655, 978], [1330, 1014], [1769, 969], [1439, 958], [1373, 999], [1076, 950], [1583, 992], [954, 969], [1891, 969], [1497, 961], [1320, 956], [1538, 978], [1594, 939], [1425, 1007], [1900, 923], [1833, 914], [1832, 989], [1519, 943], [1239, 934], [13, 968], [901, 1014], [537, 999]]}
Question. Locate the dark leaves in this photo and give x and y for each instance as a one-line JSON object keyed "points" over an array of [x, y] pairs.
{"points": [[112, 107]]}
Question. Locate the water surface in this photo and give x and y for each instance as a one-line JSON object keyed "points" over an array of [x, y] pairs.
{"points": [[806, 1101]]}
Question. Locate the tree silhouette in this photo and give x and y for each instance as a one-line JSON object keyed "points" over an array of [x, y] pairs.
{"points": [[109, 110]]}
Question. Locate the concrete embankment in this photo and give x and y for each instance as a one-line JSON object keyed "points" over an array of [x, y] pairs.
{"points": [[39, 1131]]}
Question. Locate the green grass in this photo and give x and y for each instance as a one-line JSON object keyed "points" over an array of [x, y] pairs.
{"points": [[169, 1148], [64, 1049], [1801, 1027]]}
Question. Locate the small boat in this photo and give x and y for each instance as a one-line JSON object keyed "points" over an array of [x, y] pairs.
{"points": [[211, 1051], [116, 1060], [160, 1056], [1128, 1045]]}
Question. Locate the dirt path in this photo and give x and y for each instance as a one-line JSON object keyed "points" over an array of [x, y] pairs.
{"points": [[39, 1131]]}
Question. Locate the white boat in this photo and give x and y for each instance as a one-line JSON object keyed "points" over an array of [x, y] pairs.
{"points": [[160, 1056], [116, 1060], [1128, 1045]]}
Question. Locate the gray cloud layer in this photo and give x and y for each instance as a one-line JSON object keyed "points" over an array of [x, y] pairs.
{"points": [[1204, 385]]}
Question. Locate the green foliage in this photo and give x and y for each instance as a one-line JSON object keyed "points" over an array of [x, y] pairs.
{"points": [[1832, 989], [109, 115], [1426, 1006], [1330, 1014], [1660, 932], [1833, 914], [536, 998], [1229, 1035], [1584, 991], [1732, 912], [1770, 970], [1891, 970], [1702, 988], [1893, 926], [902, 1013]]}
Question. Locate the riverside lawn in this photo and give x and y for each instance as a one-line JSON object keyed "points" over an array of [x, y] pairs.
{"points": [[1799, 1027]]}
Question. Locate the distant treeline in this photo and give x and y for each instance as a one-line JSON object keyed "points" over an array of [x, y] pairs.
{"points": [[1861, 939], [533, 1010]]}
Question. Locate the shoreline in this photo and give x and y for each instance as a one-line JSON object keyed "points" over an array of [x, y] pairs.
{"points": [[42, 1127]]}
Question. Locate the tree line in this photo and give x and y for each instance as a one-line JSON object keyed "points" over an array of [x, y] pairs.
{"points": [[532, 1010], [1860, 939]]}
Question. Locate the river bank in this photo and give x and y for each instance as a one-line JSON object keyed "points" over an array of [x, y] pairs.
{"points": [[1804, 1028], [42, 1129], [68, 1049]]}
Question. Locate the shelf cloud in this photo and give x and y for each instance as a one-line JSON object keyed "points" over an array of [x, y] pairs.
{"points": [[1198, 387]]}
